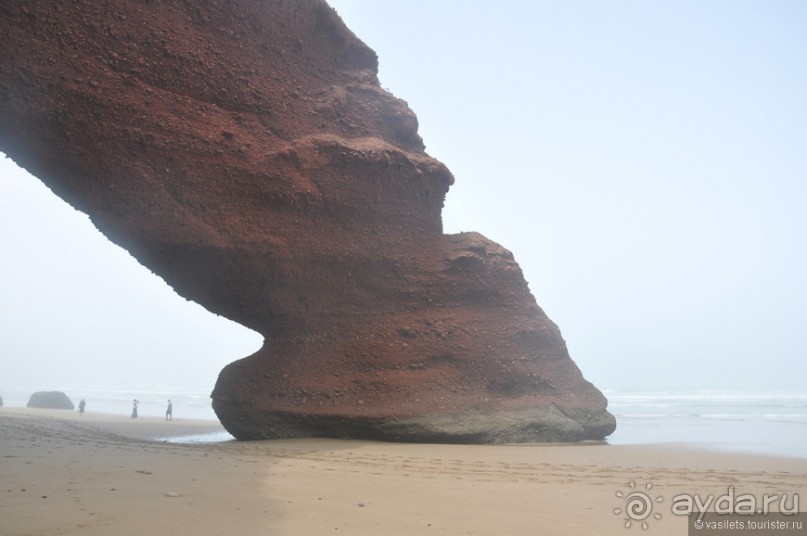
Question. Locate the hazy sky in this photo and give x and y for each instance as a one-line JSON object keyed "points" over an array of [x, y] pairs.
{"points": [[646, 162]]}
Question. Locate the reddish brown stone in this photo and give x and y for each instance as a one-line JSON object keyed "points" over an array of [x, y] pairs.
{"points": [[245, 152]]}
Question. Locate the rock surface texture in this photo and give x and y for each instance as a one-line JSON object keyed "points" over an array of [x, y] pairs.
{"points": [[245, 152], [50, 400]]}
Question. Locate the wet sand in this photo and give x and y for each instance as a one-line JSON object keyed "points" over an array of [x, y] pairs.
{"points": [[61, 473]]}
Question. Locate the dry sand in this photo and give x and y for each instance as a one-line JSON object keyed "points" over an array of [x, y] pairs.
{"points": [[61, 473]]}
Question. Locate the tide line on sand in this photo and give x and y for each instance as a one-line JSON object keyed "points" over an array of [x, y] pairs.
{"points": [[98, 474]]}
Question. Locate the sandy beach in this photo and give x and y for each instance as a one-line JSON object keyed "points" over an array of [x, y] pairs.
{"points": [[97, 474]]}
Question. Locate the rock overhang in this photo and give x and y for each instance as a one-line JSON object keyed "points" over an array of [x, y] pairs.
{"points": [[247, 154]]}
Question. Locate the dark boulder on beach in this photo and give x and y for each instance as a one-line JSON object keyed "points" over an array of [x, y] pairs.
{"points": [[50, 400]]}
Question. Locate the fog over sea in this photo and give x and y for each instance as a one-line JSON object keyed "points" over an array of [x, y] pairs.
{"points": [[741, 421], [188, 404], [745, 421]]}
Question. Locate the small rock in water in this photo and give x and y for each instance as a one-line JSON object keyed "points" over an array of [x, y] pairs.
{"points": [[361, 505]]}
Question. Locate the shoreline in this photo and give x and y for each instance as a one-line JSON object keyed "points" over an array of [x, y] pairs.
{"points": [[151, 428], [755, 422], [146, 428], [94, 474]]}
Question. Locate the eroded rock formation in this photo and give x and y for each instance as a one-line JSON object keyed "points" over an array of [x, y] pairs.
{"points": [[245, 152], [50, 400]]}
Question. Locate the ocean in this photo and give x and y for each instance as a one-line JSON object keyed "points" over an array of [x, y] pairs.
{"points": [[755, 422], [188, 403]]}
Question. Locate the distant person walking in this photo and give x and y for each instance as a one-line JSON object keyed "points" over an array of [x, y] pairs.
{"points": [[81, 406], [169, 412], [134, 408]]}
